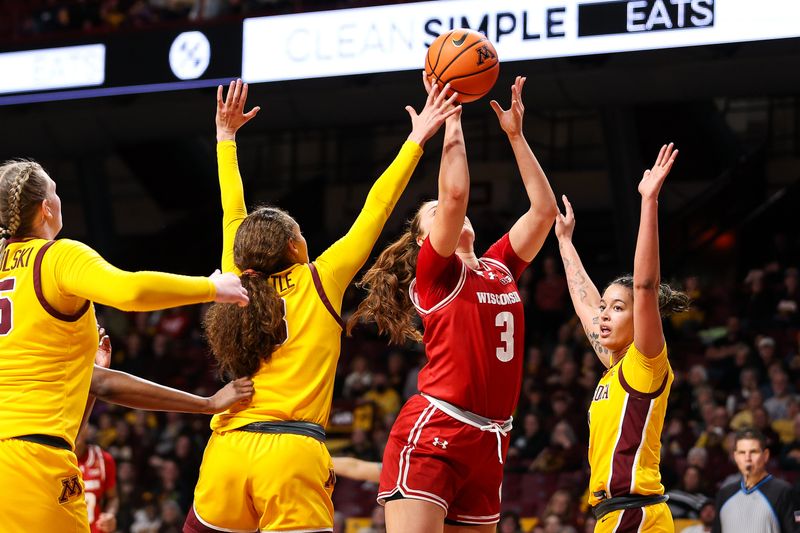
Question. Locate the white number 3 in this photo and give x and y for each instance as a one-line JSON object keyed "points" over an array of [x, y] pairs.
{"points": [[505, 319]]}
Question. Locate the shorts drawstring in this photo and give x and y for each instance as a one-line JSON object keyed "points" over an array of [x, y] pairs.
{"points": [[498, 430]]}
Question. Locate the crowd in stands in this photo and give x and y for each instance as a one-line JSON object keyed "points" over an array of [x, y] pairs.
{"points": [[29, 20], [735, 357]]}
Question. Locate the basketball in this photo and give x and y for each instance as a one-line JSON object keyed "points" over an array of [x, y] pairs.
{"points": [[467, 60]]}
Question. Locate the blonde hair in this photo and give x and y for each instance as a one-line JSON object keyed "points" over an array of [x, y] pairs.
{"points": [[23, 186]]}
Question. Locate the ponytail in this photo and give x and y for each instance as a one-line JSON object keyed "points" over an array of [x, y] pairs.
{"points": [[670, 301], [241, 338], [388, 303]]}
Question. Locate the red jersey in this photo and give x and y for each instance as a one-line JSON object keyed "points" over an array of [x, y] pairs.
{"points": [[474, 329], [99, 476]]}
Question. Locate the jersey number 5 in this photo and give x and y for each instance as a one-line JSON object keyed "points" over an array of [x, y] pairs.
{"points": [[6, 306], [505, 320]]}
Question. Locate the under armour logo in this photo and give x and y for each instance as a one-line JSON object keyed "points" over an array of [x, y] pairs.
{"points": [[443, 443]]}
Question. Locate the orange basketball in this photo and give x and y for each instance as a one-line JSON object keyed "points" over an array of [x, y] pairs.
{"points": [[466, 59]]}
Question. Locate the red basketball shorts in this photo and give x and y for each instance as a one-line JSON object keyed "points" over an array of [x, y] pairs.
{"points": [[433, 457]]}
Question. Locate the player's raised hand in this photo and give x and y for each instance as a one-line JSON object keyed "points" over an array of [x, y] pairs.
{"points": [[511, 119], [229, 288], [654, 178], [230, 111], [238, 390], [437, 109], [565, 224], [103, 355]]}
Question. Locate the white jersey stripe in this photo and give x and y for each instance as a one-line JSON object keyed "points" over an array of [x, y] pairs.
{"points": [[497, 264], [412, 293], [635, 466]]}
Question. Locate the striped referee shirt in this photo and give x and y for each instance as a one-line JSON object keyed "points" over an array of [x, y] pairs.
{"points": [[767, 507]]}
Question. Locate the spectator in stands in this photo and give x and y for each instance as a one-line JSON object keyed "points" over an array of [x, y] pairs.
{"points": [[790, 454], [686, 501], [361, 446], [509, 523], [396, 371], [788, 306], [385, 397], [531, 441], [777, 405], [759, 303], [748, 383], [708, 513], [562, 453], [359, 380], [550, 297], [563, 505], [761, 501], [171, 517]]}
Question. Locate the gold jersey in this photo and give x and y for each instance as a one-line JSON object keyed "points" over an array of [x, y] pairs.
{"points": [[48, 329], [296, 383], [625, 422], [45, 356]]}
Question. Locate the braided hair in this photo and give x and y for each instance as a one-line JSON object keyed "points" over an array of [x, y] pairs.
{"points": [[23, 186]]}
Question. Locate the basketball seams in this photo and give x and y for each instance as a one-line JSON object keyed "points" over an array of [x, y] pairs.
{"points": [[439, 53], [451, 80], [466, 80], [440, 75]]}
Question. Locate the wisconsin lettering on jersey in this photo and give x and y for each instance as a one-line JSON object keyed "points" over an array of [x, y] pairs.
{"points": [[498, 299], [19, 259]]}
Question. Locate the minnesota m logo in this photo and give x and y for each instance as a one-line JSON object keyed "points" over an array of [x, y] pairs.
{"points": [[484, 54], [71, 489]]}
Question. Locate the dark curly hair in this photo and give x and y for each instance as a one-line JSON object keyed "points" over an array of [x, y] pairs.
{"points": [[241, 338]]}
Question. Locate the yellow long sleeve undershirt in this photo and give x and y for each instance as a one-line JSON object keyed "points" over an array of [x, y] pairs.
{"points": [[342, 260], [73, 272]]}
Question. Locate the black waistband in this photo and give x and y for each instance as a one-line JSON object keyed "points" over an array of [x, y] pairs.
{"points": [[292, 427], [631, 501], [47, 440]]}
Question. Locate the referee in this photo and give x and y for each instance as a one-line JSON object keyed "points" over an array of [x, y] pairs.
{"points": [[759, 503]]}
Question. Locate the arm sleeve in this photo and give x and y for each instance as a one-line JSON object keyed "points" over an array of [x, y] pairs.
{"points": [[233, 207], [437, 276], [111, 470], [645, 374], [79, 271], [503, 251], [346, 256]]}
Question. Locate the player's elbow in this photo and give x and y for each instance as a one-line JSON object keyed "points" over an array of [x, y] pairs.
{"points": [[128, 295], [100, 386], [547, 210]]}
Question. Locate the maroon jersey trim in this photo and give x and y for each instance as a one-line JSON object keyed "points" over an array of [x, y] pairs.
{"points": [[37, 287], [324, 297]]}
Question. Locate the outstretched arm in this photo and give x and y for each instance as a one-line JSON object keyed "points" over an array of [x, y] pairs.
{"points": [[585, 296], [347, 255], [124, 389], [453, 187], [529, 232], [648, 332], [229, 118], [353, 468]]}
